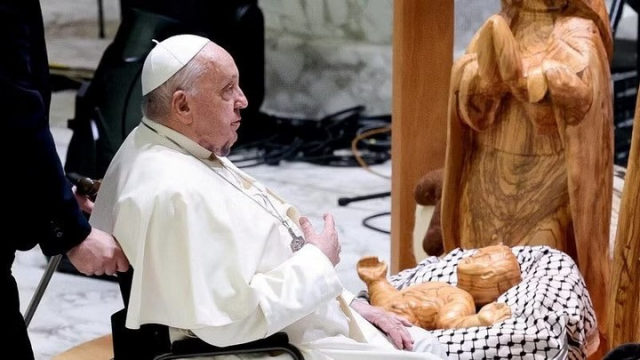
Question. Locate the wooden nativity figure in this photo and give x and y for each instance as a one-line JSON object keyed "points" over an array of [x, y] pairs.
{"points": [[482, 278], [529, 148]]}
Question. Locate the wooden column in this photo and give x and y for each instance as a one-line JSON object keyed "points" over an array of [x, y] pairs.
{"points": [[624, 300], [422, 58]]}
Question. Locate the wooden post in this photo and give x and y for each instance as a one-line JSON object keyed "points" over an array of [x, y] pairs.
{"points": [[624, 302], [423, 33]]}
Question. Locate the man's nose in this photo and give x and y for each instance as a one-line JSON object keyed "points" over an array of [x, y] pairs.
{"points": [[242, 100]]}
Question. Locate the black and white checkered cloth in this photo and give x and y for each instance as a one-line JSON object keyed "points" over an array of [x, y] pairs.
{"points": [[552, 312]]}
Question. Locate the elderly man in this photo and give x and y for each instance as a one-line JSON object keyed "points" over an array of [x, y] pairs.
{"points": [[215, 253]]}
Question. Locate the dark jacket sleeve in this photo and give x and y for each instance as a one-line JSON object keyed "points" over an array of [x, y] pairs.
{"points": [[41, 204]]}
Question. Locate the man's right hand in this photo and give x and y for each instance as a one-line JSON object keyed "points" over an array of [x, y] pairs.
{"points": [[98, 254], [327, 241], [393, 325]]}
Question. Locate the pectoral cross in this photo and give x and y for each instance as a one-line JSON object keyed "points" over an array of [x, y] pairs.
{"points": [[298, 241]]}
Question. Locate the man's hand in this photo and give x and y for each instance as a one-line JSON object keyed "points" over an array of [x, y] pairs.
{"points": [[98, 254], [85, 203], [327, 241], [394, 326]]}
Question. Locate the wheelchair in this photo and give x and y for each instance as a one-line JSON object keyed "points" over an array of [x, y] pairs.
{"points": [[152, 342]]}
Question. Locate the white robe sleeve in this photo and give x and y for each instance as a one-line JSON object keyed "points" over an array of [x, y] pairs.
{"points": [[283, 299]]}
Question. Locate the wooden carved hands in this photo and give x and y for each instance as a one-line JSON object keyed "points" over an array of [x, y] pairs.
{"points": [[499, 60]]}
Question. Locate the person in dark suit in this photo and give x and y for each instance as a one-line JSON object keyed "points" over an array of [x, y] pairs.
{"points": [[42, 207]]}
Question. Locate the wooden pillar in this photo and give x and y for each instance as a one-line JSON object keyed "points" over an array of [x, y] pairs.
{"points": [[423, 33], [624, 300]]}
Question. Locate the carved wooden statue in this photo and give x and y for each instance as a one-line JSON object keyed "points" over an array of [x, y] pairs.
{"points": [[439, 305], [530, 132], [624, 304]]}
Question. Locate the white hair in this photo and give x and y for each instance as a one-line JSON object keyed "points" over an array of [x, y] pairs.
{"points": [[156, 105]]}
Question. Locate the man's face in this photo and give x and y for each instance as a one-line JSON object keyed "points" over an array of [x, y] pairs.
{"points": [[217, 102]]}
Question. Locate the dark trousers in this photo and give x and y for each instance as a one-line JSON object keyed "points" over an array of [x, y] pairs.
{"points": [[16, 337]]}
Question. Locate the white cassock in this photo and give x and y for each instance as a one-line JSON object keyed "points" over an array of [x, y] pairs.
{"points": [[211, 255]]}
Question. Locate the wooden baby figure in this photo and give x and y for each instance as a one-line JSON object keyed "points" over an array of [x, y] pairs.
{"points": [[489, 273], [439, 305], [529, 148]]}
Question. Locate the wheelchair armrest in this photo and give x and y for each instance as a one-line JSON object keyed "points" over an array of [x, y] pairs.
{"points": [[187, 345], [194, 347]]}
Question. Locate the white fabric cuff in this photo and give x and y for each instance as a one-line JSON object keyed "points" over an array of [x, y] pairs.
{"points": [[315, 259], [348, 296], [296, 288]]}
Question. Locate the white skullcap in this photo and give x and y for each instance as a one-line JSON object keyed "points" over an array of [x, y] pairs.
{"points": [[167, 58]]}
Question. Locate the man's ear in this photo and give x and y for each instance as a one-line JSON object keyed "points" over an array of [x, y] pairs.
{"points": [[181, 107]]}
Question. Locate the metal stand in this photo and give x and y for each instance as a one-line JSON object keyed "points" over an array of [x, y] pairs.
{"points": [[100, 19], [42, 286], [344, 201], [615, 13]]}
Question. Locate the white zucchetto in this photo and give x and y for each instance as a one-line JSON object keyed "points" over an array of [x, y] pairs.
{"points": [[167, 58]]}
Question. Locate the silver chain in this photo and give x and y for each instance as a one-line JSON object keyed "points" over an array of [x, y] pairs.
{"points": [[297, 241]]}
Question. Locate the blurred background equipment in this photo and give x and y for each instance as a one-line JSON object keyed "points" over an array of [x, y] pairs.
{"points": [[108, 106], [624, 75]]}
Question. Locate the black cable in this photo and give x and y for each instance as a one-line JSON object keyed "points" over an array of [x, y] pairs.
{"points": [[284, 153], [369, 218], [320, 141], [343, 160], [254, 144], [234, 158], [272, 155], [354, 109]]}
